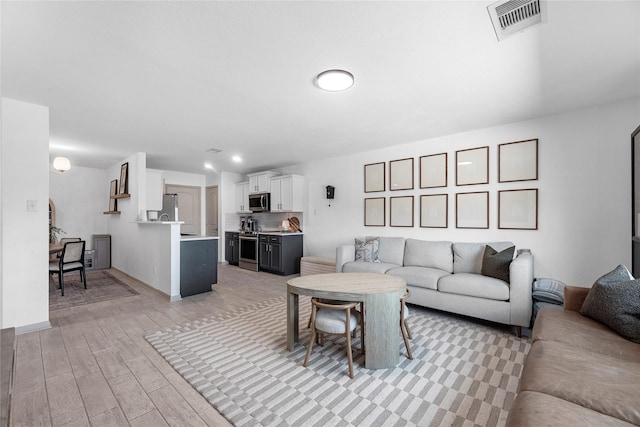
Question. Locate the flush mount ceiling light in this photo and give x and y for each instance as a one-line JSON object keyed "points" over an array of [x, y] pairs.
{"points": [[61, 164], [335, 80]]}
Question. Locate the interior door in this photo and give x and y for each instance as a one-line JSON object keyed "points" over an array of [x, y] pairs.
{"points": [[211, 197], [188, 207]]}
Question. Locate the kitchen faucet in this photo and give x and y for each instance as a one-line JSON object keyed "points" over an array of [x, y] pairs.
{"points": [[160, 219]]}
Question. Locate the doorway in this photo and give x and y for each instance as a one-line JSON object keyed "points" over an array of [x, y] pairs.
{"points": [[211, 203], [188, 207]]}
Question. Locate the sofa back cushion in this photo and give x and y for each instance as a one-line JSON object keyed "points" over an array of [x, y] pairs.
{"points": [[390, 249], [424, 253], [467, 257]]}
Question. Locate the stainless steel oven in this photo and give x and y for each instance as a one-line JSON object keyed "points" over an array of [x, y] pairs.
{"points": [[248, 258]]}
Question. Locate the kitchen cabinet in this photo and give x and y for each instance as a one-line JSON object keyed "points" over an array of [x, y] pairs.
{"points": [[102, 247], [242, 197], [232, 247], [287, 193], [280, 254], [198, 265], [260, 182]]}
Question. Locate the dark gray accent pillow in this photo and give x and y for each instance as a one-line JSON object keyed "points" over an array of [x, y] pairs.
{"points": [[614, 300], [496, 264]]}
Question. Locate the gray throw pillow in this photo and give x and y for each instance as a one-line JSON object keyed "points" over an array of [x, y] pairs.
{"points": [[496, 264], [614, 300], [367, 250]]}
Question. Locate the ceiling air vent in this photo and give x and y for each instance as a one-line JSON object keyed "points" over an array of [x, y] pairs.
{"points": [[513, 16]]}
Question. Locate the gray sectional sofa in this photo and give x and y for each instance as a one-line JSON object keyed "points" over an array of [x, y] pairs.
{"points": [[448, 276]]}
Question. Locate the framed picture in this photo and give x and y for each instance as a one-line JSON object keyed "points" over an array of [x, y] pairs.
{"points": [[374, 212], [518, 161], [113, 203], [124, 178], [518, 209], [472, 210], [434, 211], [433, 171], [374, 177], [472, 166], [401, 174], [401, 211]]}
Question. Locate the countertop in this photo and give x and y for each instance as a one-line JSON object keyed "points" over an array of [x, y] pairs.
{"points": [[191, 238], [274, 233]]}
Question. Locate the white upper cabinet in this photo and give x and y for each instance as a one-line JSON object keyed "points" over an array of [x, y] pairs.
{"points": [[287, 193], [260, 182], [242, 197]]}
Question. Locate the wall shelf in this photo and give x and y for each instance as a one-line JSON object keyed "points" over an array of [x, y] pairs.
{"points": [[121, 196], [111, 213]]}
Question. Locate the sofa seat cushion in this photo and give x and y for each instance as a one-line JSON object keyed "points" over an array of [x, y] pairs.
{"points": [[421, 277], [570, 327], [533, 409], [474, 285], [368, 267], [602, 383], [423, 253]]}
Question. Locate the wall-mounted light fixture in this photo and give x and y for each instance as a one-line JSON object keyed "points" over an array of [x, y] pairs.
{"points": [[61, 164], [331, 191]]}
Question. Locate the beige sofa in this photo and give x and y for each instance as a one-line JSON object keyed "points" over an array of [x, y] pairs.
{"points": [[578, 372], [447, 276]]}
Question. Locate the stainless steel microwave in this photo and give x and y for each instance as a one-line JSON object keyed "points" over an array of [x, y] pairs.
{"points": [[260, 202]]}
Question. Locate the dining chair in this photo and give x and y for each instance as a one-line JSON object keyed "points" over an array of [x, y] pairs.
{"points": [[404, 328], [65, 240], [334, 319], [71, 259]]}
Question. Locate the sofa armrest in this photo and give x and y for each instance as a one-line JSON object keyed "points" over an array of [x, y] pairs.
{"points": [[344, 254], [521, 281], [574, 296]]}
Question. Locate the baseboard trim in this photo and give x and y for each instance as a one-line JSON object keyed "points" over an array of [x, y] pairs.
{"points": [[33, 327]]}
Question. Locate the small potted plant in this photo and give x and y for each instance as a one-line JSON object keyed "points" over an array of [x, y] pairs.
{"points": [[53, 233]]}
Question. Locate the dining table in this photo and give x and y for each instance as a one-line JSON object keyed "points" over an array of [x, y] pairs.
{"points": [[381, 295], [55, 248]]}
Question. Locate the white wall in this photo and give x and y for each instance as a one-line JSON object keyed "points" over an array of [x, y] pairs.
{"points": [[192, 180], [25, 234], [584, 192], [80, 196]]}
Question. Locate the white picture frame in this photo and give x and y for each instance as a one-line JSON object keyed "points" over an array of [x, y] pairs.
{"points": [[374, 212], [518, 161], [401, 211], [518, 209], [434, 211], [374, 179], [472, 166], [433, 171], [472, 210]]}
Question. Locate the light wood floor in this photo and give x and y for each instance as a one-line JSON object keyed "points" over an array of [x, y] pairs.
{"points": [[94, 367]]}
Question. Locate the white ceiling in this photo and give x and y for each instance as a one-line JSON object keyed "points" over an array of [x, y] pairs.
{"points": [[174, 79]]}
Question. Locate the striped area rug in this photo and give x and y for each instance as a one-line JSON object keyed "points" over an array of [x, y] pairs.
{"points": [[464, 373]]}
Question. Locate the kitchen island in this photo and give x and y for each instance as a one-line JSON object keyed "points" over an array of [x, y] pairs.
{"points": [[198, 264], [162, 264]]}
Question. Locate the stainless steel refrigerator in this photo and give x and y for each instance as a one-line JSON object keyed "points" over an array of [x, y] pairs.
{"points": [[169, 207]]}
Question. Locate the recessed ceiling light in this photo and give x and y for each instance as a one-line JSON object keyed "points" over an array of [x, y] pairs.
{"points": [[236, 159], [335, 80], [208, 166]]}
